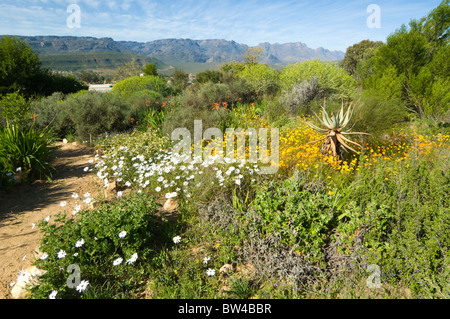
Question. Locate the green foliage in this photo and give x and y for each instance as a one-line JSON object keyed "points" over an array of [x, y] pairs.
{"points": [[99, 229], [252, 55], [135, 84], [15, 109], [357, 53], [48, 82], [303, 218], [262, 78], [27, 149], [19, 66], [50, 113], [408, 241], [298, 100], [95, 113], [242, 288], [375, 115], [208, 76], [179, 80], [128, 70], [333, 81], [144, 99], [88, 76], [184, 117], [409, 60], [150, 69]]}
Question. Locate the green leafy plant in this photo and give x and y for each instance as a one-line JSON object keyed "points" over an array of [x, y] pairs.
{"points": [[111, 245], [26, 149], [242, 288]]}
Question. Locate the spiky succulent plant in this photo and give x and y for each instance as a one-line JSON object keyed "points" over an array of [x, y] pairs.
{"points": [[334, 126]]}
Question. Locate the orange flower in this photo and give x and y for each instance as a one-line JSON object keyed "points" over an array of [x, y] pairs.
{"points": [[216, 106], [225, 104]]}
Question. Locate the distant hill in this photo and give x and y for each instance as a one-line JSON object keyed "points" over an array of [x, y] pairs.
{"points": [[97, 61], [177, 51], [208, 51]]}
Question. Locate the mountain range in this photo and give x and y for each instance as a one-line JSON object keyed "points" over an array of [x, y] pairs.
{"points": [[182, 50]]}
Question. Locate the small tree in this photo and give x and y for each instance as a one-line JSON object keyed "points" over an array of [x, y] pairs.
{"points": [[19, 65], [150, 69], [179, 79], [128, 70], [15, 109], [252, 55]]}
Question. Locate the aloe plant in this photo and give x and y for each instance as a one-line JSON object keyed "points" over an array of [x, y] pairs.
{"points": [[334, 127]]}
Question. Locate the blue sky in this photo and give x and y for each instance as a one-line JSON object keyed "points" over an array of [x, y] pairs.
{"points": [[334, 25]]}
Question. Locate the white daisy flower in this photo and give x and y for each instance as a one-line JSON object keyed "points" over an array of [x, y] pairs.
{"points": [[61, 254], [118, 261], [210, 272], [53, 294], [82, 286], [79, 243], [132, 259], [122, 234], [177, 239]]}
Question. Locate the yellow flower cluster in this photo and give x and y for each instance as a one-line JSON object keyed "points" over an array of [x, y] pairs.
{"points": [[296, 151]]}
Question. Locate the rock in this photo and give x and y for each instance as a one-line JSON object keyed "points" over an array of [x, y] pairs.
{"points": [[226, 268], [19, 291], [170, 204], [112, 186]]}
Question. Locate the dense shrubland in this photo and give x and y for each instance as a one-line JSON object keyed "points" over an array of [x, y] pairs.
{"points": [[314, 229]]}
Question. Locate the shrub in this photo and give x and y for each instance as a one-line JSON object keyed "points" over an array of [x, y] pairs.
{"points": [[15, 109], [262, 78], [297, 100], [334, 81], [303, 218], [95, 113], [127, 87], [208, 76], [408, 241], [374, 114], [50, 113], [26, 151], [94, 240]]}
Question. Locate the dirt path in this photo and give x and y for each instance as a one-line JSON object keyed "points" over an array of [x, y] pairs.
{"points": [[26, 204]]}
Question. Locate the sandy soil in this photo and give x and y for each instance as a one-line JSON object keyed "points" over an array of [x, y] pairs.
{"points": [[26, 204]]}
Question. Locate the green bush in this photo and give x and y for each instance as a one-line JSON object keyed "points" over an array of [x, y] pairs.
{"points": [[119, 229], [409, 241], [90, 114], [127, 87], [375, 115], [304, 218], [263, 79], [184, 117], [27, 150], [48, 111], [15, 109], [208, 76], [297, 100], [334, 81]]}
